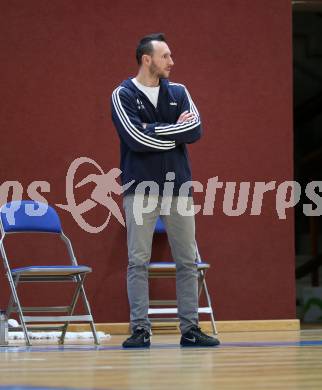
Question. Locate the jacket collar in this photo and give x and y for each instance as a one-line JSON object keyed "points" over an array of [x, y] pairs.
{"points": [[130, 85]]}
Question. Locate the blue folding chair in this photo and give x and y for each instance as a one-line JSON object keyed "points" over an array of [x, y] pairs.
{"points": [[29, 216], [161, 269]]}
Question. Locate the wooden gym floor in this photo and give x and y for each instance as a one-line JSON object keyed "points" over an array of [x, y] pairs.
{"points": [[245, 360]]}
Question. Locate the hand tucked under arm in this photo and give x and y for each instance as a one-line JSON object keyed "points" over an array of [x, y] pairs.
{"points": [[187, 129], [186, 116]]}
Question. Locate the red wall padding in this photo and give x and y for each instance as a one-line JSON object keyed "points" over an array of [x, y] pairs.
{"points": [[60, 61]]}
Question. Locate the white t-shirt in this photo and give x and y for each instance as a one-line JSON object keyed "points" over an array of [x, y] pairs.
{"points": [[151, 92]]}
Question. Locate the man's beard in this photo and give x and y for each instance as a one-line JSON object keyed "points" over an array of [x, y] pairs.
{"points": [[155, 71]]}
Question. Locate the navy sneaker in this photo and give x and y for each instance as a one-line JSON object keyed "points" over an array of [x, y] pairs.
{"points": [[139, 339], [196, 338]]}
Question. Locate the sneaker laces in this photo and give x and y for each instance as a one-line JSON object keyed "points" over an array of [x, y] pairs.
{"points": [[138, 332], [199, 333]]}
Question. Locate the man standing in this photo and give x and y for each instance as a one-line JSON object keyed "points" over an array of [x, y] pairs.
{"points": [[155, 119]]}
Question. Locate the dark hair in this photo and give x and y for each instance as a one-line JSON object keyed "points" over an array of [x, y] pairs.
{"points": [[145, 46]]}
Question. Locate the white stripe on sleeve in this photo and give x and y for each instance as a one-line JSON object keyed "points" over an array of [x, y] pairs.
{"points": [[184, 126], [135, 133]]}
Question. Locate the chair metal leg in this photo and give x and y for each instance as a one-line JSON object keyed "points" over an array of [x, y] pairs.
{"points": [[213, 323], [13, 285], [82, 290], [10, 307], [70, 312], [204, 286], [201, 278], [92, 325], [93, 328]]}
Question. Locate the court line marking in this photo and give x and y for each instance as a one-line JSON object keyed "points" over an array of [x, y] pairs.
{"points": [[27, 359], [58, 369], [84, 348], [30, 387]]}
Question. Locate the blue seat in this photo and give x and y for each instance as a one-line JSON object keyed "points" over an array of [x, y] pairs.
{"points": [[27, 216], [167, 309]]}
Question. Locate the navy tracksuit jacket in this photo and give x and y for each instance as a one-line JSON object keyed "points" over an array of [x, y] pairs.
{"points": [[148, 154]]}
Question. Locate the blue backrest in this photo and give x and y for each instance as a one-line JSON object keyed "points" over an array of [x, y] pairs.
{"points": [[29, 216], [159, 227]]}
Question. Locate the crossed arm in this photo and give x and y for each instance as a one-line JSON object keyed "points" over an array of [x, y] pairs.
{"points": [[185, 116], [143, 137]]}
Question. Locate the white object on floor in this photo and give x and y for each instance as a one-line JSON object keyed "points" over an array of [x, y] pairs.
{"points": [[56, 335], [13, 323]]}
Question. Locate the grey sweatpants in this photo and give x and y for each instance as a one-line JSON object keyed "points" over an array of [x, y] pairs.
{"points": [[181, 235]]}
